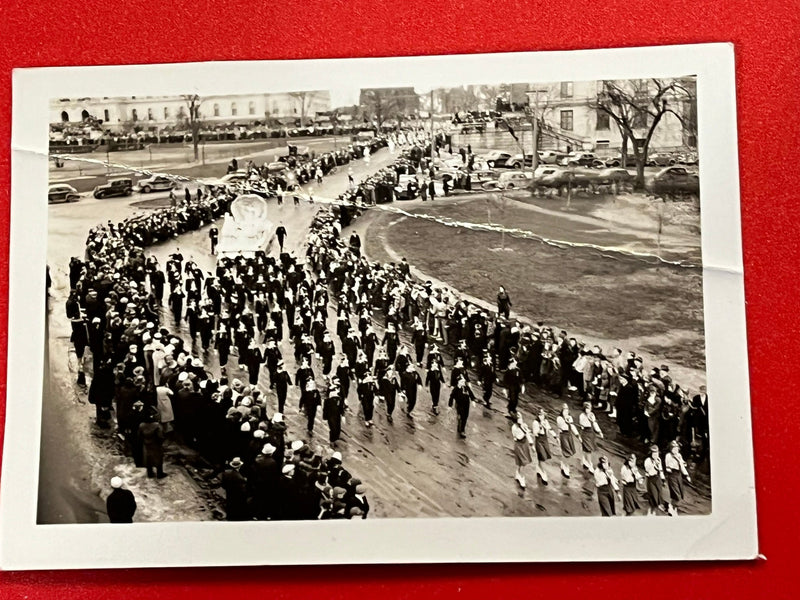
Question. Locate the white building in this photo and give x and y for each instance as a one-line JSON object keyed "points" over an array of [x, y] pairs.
{"points": [[569, 111], [161, 112]]}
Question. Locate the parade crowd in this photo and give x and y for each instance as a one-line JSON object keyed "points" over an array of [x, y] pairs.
{"points": [[393, 336]]}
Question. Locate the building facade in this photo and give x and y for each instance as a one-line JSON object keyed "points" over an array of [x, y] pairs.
{"points": [[163, 112], [571, 116]]}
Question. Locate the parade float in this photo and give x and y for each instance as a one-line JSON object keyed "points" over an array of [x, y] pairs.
{"points": [[246, 229]]}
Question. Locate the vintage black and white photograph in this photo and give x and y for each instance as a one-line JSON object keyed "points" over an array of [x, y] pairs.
{"points": [[358, 301]]}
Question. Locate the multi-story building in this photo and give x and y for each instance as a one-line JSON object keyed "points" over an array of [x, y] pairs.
{"points": [[572, 118], [162, 112]]}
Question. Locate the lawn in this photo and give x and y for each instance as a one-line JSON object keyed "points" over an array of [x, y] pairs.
{"points": [[637, 304]]}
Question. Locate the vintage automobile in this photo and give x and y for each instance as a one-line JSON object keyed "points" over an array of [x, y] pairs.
{"points": [[154, 183], [673, 180], [549, 157], [496, 158], [515, 180], [660, 160], [122, 186], [613, 175], [581, 159], [62, 192]]}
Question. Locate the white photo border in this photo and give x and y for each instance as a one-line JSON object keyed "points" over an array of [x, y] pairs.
{"points": [[729, 532]]}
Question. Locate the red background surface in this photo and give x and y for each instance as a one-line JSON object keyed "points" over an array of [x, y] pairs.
{"points": [[766, 34]]}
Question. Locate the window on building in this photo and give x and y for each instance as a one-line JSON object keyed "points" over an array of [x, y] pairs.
{"points": [[566, 89], [216, 110], [603, 119], [182, 112], [149, 114], [64, 116], [566, 120], [234, 110], [166, 112], [252, 108], [602, 145], [106, 116], [134, 115], [85, 115]]}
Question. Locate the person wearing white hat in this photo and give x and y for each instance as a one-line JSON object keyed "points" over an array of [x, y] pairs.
{"points": [[235, 486], [120, 503]]}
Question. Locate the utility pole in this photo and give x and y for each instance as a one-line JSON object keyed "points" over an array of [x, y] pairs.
{"points": [[534, 112], [432, 139]]}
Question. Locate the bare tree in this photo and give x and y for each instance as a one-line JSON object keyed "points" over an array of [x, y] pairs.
{"points": [[302, 97], [193, 102], [640, 105], [382, 104]]}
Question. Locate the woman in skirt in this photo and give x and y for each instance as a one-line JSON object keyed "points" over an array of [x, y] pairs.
{"points": [[631, 478], [522, 448], [654, 472], [607, 487], [541, 432], [567, 432], [675, 467], [589, 432]]}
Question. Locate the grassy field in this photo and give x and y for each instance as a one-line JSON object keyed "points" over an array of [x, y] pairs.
{"points": [[640, 305]]}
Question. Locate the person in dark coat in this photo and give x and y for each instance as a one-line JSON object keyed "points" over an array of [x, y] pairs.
{"points": [[388, 388], [235, 486], [627, 403], [487, 376], [120, 504], [432, 190], [332, 412], [280, 233], [310, 400], [101, 393], [462, 397], [264, 476], [254, 359], [213, 235], [433, 381], [410, 382], [503, 302], [366, 394], [151, 434], [514, 387], [282, 383]]}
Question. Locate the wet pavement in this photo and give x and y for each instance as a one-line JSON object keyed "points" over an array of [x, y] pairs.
{"points": [[413, 467]]}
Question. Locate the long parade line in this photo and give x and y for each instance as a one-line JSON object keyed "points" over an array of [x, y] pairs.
{"points": [[646, 257]]}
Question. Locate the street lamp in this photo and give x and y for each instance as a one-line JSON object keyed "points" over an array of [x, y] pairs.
{"points": [[533, 113]]}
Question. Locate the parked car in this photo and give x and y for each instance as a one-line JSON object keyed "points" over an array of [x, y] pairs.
{"points": [[515, 180], [687, 158], [496, 158], [660, 160], [673, 180], [62, 192], [548, 157], [614, 175], [154, 183], [557, 177], [481, 176], [616, 161], [518, 161], [122, 186], [582, 159]]}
